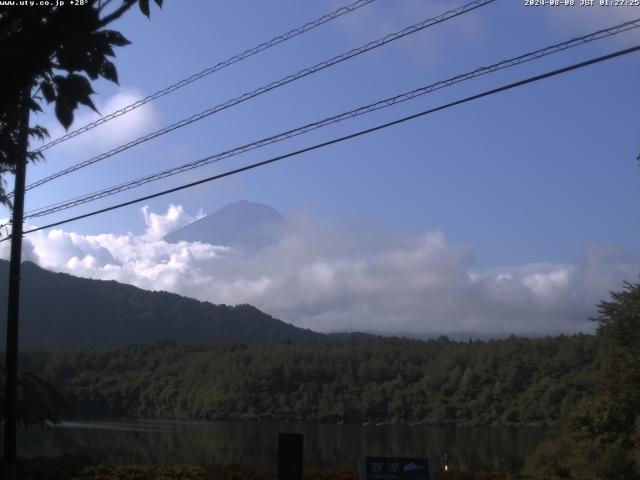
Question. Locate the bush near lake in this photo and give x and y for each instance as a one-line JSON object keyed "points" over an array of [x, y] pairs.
{"points": [[137, 472], [600, 438], [65, 467]]}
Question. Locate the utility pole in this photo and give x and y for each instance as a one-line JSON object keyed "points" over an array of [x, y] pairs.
{"points": [[11, 364]]}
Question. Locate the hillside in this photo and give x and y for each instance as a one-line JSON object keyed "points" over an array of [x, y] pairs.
{"points": [[59, 311]]}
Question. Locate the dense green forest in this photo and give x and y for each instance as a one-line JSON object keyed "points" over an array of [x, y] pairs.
{"points": [[513, 381]]}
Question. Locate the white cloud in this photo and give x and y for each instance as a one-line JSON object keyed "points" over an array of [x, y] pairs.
{"points": [[160, 225], [329, 277]]}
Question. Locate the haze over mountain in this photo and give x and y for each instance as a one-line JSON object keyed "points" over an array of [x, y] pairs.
{"points": [[246, 225], [60, 311]]}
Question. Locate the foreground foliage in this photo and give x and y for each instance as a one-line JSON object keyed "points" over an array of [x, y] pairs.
{"points": [[601, 437], [514, 381], [40, 53], [38, 402]]}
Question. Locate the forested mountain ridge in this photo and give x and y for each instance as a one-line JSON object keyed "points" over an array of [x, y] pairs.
{"points": [[514, 381], [60, 311]]}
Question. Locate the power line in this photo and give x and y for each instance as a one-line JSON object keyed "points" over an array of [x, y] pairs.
{"points": [[69, 203], [266, 88], [252, 166], [212, 69]]}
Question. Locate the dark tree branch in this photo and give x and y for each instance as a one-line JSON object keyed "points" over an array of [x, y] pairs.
{"points": [[126, 5]]}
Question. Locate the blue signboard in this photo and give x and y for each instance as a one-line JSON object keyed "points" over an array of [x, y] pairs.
{"points": [[396, 468]]}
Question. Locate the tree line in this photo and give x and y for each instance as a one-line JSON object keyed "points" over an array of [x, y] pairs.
{"points": [[514, 381]]}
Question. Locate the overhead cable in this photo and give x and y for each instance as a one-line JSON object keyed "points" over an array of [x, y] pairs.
{"points": [[252, 166], [527, 57], [266, 88], [212, 69]]}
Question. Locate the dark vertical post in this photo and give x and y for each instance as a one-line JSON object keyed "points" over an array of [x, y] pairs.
{"points": [[11, 363], [290, 450]]}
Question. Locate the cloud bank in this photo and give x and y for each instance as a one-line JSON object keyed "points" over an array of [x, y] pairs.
{"points": [[331, 277]]}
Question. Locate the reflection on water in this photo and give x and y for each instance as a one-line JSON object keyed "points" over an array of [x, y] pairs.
{"points": [[200, 442]]}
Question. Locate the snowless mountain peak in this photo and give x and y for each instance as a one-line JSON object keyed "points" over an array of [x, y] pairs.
{"points": [[246, 225]]}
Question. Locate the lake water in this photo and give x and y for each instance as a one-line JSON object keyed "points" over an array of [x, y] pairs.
{"points": [[201, 442]]}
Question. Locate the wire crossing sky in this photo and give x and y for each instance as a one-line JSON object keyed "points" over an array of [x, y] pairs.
{"points": [[347, 137], [448, 15], [210, 70], [527, 57]]}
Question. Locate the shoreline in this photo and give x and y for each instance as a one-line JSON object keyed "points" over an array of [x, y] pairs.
{"points": [[70, 467], [310, 422]]}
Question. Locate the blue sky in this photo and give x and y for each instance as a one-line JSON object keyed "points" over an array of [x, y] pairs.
{"points": [[538, 175]]}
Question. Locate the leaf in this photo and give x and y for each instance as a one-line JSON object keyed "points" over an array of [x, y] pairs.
{"points": [[115, 38], [144, 7], [59, 80], [159, 3], [109, 71], [72, 89], [64, 114], [78, 85], [72, 56], [105, 49], [33, 156], [48, 91], [78, 89], [88, 102], [38, 132], [101, 46], [34, 106], [93, 65]]}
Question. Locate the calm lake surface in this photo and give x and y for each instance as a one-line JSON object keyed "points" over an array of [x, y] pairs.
{"points": [[201, 442]]}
